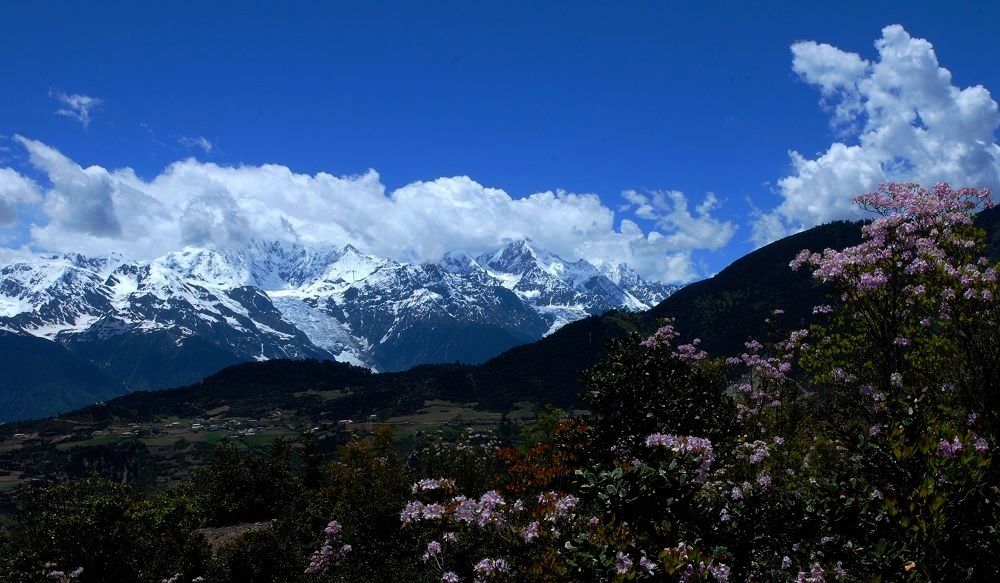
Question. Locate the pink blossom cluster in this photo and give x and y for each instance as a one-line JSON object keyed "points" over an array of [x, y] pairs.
{"points": [[331, 554], [427, 484], [623, 563], [531, 532], [662, 337], [62, 576], [681, 554], [433, 549], [487, 510], [558, 506], [690, 353], [686, 445], [764, 367], [918, 232], [647, 566], [416, 510], [755, 451], [520, 521], [950, 448], [487, 568], [955, 445], [760, 389], [817, 574]]}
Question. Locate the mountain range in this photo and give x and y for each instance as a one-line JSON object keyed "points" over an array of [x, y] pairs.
{"points": [[137, 325]]}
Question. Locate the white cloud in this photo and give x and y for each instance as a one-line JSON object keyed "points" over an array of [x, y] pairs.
{"points": [[96, 210], [14, 190], [81, 199], [836, 73], [200, 142], [75, 105], [685, 231], [14, 254], [905, 121]]}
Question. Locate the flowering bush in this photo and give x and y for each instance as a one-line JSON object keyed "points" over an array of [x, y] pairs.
{"points": [[852, 449]]}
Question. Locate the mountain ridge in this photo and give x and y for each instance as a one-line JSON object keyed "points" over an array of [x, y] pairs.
{"points": [[179, 317]]}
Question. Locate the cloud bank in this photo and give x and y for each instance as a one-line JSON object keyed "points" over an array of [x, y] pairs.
{"points": [[96, 210], [899, 117]]}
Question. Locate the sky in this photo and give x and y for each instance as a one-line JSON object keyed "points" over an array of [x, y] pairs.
{"points": [[674, 136]]}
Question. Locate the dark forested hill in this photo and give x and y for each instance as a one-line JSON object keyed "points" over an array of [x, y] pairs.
{"points": [[727, 309]]}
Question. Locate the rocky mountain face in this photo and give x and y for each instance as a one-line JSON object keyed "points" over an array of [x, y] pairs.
{"points": [[179, 317]]}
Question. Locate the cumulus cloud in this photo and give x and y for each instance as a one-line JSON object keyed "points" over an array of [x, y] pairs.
{"points": [[836, 73], [81, 199], [75, 105], [14, 190], [200, 142], [684, 229], [901, 118], [96, 210]]}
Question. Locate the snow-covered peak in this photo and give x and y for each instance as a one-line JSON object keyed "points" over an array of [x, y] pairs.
{"points": [[458, 262], [208, 267], [102, 265], [277, 265], [522, 256], [622, 274], [517, 257], [352, 266], [30, 283]]}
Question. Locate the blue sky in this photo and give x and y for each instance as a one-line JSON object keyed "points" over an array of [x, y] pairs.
{"points": [[671, 101]]}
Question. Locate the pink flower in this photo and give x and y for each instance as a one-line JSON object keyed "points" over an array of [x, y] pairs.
{"points": [[949, 449], [661, 337], [433, 548], [685, 445], [623, 564], [646, 565], [411, 512], [530, 532], [487, 567], [331, 553]]}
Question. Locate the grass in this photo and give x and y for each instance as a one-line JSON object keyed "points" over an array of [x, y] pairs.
{"points": [[325, 395], [266, 437], [160, 436], [436, 413], [101, 440]]}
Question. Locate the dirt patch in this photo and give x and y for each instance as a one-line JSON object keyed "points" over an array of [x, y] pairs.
{"points": [[224, 535]]}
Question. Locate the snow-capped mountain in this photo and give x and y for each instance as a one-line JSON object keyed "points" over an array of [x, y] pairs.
{"points": [[183, 315], [562, 291]]}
